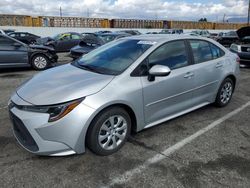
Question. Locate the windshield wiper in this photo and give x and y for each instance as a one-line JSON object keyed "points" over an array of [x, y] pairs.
{"points": [[90, 68]]}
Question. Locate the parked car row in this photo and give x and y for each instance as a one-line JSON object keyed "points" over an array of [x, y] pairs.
{"points": [[78, 44]]}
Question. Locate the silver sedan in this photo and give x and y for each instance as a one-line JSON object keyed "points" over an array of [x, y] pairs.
{"points": [[126, 85]]}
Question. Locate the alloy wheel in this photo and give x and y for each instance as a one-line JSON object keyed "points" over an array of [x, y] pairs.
{"points": [[112, 132], [226, 92], [40, 62]]}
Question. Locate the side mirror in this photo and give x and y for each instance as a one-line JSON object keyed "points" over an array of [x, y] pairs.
{"points": [[17, 45], [159, 71]]}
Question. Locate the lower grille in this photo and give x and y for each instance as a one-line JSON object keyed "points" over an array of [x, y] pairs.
{"points": [[23, 134]]}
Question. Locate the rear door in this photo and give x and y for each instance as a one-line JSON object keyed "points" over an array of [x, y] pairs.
{"points": [[208, 69], [166, 96], [10, 54]]}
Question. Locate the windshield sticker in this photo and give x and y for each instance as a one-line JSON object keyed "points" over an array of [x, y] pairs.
{"points": [[147, 42]]}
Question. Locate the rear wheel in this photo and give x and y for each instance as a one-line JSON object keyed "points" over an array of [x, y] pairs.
{"points": [[40, 62], [225, 93], [109, 131]]}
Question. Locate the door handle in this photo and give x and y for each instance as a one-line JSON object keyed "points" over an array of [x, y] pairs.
{"points": [[218, 65], [189, 75]]}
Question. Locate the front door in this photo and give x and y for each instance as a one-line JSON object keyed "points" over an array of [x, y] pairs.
{"points": [[167, 96], [10, 54]]}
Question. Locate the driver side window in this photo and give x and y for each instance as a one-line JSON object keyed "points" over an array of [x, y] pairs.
{"points": [[65, 37], [4, 41], [172, 54]]}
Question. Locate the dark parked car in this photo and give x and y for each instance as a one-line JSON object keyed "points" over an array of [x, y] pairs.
{"points": [[171, 31], [152, 32], [226, 39], [92, 41], [14, 53], [62, 42], [24, 37], [131, 32], [242, 47], [102, 32], [6, 31], [201, 32]]}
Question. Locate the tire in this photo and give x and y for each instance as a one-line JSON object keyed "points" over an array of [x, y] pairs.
{"points": [[40, 62], [102, 133], [225, 93]]}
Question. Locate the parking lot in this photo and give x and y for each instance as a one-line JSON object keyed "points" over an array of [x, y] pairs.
{"points": [[209, 147]]}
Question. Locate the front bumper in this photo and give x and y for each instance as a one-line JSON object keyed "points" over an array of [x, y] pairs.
{"points": [[63, 137]]}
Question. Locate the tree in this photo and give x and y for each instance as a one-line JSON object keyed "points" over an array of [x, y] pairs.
{"points": [[203, 20]]}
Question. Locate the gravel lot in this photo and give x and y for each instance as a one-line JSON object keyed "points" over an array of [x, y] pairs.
{"points": [[218, 158]]}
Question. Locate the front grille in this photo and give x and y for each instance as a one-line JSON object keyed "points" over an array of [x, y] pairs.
{"points": [[23, 134], [245, 49]]}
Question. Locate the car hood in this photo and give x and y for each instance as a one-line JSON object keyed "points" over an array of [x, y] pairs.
{"points": [[44, 40], [41, 47], [243, 32], [62, 84]]}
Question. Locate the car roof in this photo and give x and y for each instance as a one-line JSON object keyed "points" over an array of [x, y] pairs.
{"points": [[164, 37]]}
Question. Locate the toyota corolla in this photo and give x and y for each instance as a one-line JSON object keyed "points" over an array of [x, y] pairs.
{"points": [[126, 85]]}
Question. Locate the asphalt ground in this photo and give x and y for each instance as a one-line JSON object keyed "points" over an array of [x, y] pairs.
{"points": [[209, 147]]}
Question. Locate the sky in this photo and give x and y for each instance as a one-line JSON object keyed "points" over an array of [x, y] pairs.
{"points": [[213, 10]]}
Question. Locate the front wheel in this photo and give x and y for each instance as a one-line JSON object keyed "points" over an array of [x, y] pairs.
{"points": [[109, 131], [40, 62], [225, 93]]}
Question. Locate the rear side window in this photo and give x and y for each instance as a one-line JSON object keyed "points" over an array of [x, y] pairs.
{"points": [[201, 51], [216, 51], [23, 34], [12, 35], [75, 36], [172, 54]]}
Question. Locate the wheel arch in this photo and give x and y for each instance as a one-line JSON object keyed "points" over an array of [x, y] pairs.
{"points": [[83, 138], [37, 53], [233, 78], [126, 107]]}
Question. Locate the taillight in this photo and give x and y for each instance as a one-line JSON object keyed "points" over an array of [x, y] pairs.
{"points": [[238, 60]]}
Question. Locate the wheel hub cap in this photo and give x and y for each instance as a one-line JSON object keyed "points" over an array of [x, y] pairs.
{"points": [[226, 92], [113, 132], [40, 62]]}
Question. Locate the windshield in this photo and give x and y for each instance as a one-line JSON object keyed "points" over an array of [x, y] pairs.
{"points": [[114, 57]]}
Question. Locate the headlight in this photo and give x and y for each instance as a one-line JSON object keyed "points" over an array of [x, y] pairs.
{"points": [[235, 47], [55, 112]]}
